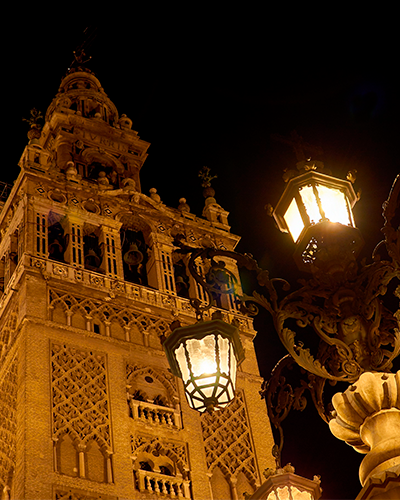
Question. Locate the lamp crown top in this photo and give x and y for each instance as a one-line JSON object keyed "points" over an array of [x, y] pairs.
{"points": [[305, 166], [304, 153]]}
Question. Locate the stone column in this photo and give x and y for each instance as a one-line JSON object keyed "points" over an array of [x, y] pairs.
{"points": [[367, 417]]}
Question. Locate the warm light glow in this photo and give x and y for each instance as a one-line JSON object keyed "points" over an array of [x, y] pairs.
{"points": [[289, 493], [233, 365], [224, 355], [334, 205], [202, 355], [319, 206], [293, 220], [181, 359], [205, 375], [205, 355], [310, 204], [320, 203]]}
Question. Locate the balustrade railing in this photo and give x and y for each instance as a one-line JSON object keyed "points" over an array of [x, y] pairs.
{"points": [[137, 292], [152, 414], [162, 485]]}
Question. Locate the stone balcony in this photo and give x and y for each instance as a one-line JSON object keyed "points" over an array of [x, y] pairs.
{"points": [[162, 485], [155, 415]]}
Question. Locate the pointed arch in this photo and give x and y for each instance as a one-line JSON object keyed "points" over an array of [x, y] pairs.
{"points": [[156, 384], [163, 452]]}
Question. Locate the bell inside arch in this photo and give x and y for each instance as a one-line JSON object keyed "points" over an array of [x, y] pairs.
{"points": [[133, 256], [181, 286], [92, 260], [56, 250]]}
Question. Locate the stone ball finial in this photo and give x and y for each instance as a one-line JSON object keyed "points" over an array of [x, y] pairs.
{"points": [[154, 196], [209, 192], [367, 417], [183, 206]]}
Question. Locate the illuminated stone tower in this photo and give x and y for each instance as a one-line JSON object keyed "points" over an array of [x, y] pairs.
{"points": [[91, 281]]}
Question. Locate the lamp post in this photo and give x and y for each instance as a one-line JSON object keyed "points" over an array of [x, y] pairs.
{"points": [[342, 305]]}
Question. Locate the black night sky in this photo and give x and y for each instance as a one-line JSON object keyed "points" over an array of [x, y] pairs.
{"points": [[211, 89]]}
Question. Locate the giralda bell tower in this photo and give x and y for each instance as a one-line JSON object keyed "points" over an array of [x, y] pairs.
{"points": [[91, 281]]}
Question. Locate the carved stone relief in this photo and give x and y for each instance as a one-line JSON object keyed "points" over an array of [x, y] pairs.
{"points": [[113, 321], [175, 450], [6, 333], [8, 407], [228, 442], [79, 393], [80, 414]]}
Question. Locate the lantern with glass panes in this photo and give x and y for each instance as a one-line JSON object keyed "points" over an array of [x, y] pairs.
{"points": [[316, 210], [284, 484], [205, 355]]}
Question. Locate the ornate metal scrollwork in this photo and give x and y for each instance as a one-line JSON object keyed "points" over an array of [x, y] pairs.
{"points": [[282, 395], [356, 332]]}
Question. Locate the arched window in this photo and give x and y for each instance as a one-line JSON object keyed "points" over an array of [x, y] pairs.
{"points": [[96, 469], [67, 456]]}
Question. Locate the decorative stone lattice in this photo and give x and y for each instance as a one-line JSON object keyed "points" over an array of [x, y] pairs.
{"points": [[6, 333], [80, 400], [228, 443], [8, 406], [105, 313]]}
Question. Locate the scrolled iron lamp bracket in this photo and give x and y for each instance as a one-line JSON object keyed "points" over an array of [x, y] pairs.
{"points": [[345, 308]]}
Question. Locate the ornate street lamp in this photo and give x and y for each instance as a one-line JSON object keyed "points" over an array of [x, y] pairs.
{"points": [[205, 355], [343, 306], [316, 210], [284, 484]]}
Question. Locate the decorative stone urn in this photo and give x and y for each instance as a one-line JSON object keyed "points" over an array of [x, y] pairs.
{"points": [[367, 417]]}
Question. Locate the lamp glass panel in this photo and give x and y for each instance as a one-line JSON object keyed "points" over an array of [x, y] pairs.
{"points": [[190, 388], [181, 359], [223, 398], [201, 382], [223, 345], [233, 365], [202, 355], [289, 493], [293, 220], [310, 204], [301, 495], [334, 204], [207, 391], [280, 493], [197, 403]]}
